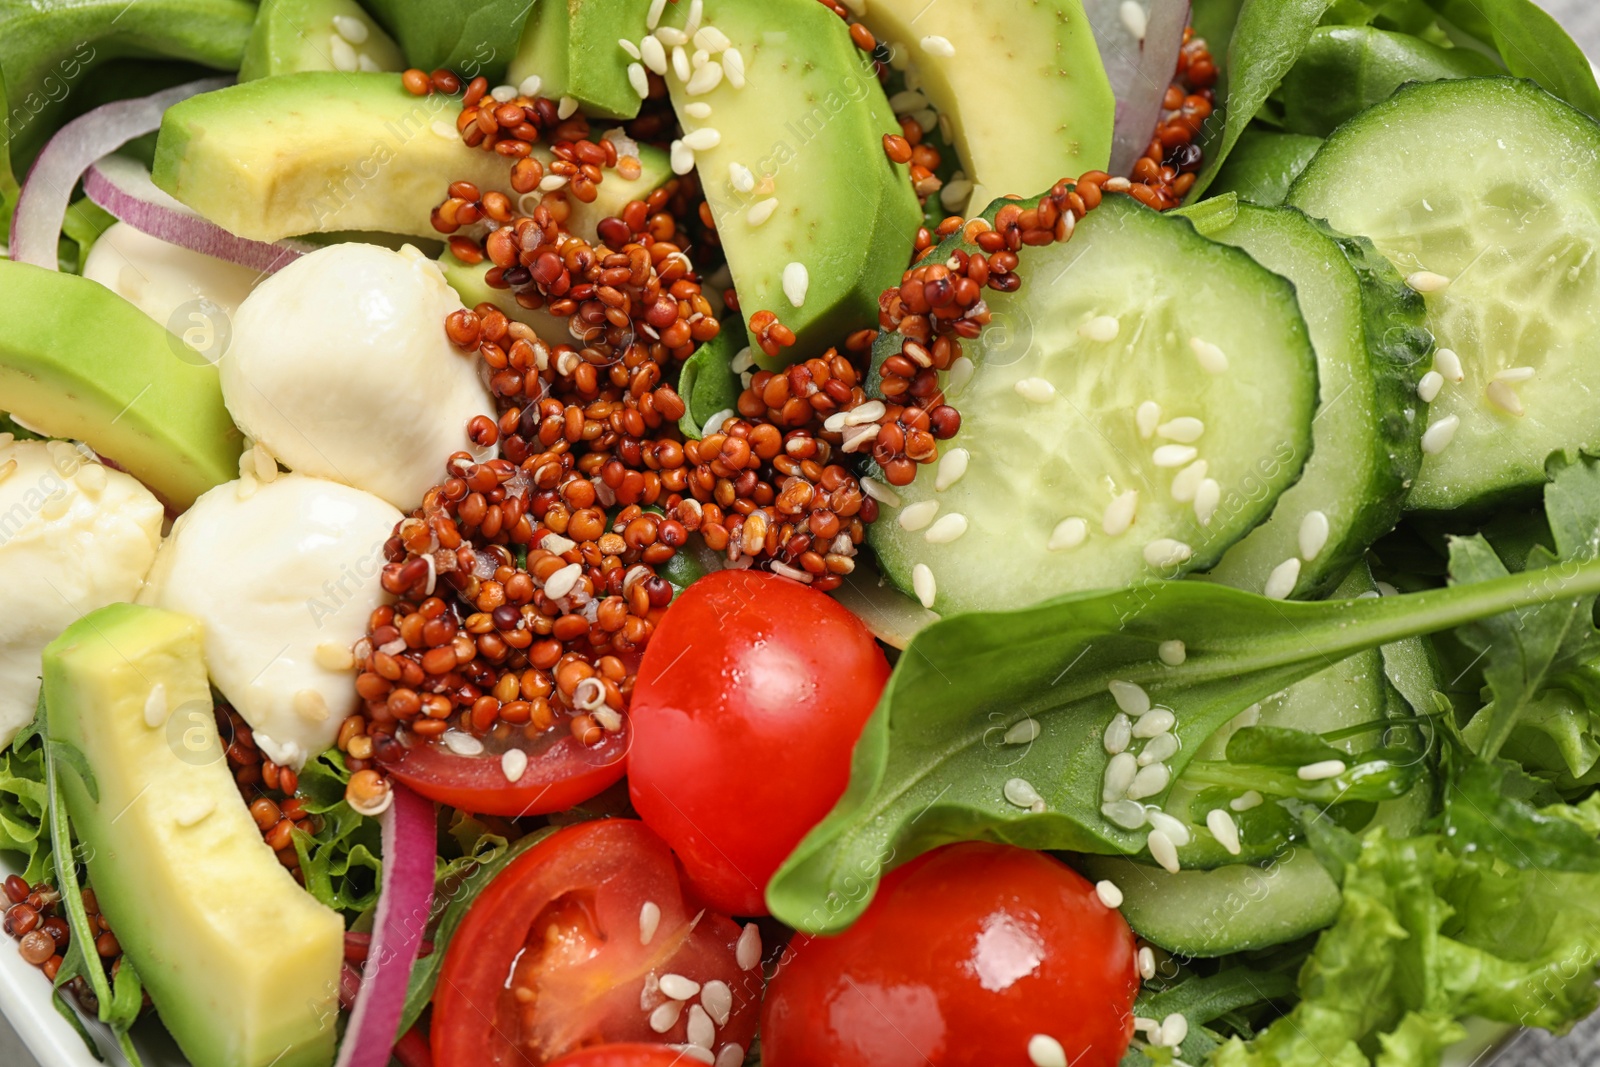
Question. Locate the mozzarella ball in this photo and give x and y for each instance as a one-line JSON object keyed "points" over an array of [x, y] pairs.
{"points": [[284, 579], [74, 536], [339, 365]]}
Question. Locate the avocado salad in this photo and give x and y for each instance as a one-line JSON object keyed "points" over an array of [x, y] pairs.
{"points": [[860, 533]]}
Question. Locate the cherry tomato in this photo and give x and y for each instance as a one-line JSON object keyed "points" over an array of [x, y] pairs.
{"points": [[749, 702], [628, 1056], [967, 955], [590, 938], [561, 772]]}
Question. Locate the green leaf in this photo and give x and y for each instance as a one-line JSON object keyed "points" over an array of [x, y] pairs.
{"points": [[1266, 44], [1531, 43], [1204, 999], [72, 756], [1481, 813], [342, 862], [931, 766], [1277, 746], [1213, 215], [85, 223], [25, 802], [707, 382]]}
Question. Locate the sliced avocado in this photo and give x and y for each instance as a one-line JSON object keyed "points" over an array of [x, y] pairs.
{"points": [[46, 48], [467, 279], [809, 127], [78, 361], [572, 46], [241, 963], [469, 38], [1041, 53], [296, 35], [317, 151]]}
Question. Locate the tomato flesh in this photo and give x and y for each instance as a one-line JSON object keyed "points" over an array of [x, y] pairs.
{"points": [[750, 699], [966, 955], [552, 957], [626, 1056], [561, 773]]}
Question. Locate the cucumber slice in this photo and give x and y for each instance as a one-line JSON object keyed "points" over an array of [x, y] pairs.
{"points": [[1487, 183], [1367, 437], [1263, 165], [1051, 431]]}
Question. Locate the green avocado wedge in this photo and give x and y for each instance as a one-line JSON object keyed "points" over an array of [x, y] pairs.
{"points": [[470, 38], [77, 361], [295, 35], [571, 46]]}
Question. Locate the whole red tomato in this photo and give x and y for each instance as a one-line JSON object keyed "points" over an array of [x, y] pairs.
{"points": [[973, 955], [749, 702]]}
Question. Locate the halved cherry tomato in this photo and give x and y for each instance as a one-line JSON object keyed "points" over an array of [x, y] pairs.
{"points": [[967, 955], [629, 1056], [590, 938], [561, 772], [749, 702]]}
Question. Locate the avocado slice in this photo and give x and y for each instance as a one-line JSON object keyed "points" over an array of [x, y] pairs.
{"points": [[975, 61], [572, 46], [809, 127], [241, 963], [317, 152], [295, 35], [469, 38], [78, 361], [467, 279]]}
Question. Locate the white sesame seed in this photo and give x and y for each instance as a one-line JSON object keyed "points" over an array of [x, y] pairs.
{"points": [[871, 411], [1175, 829], [1207, 495], [514, 764], [1169, 456], [343, 55], [1120, 513], [923, 584], [1438, 436], [333, 656], [1121, 769], [1212, 359], [1426, 281], [1021, 793], [1147, 962], [761, 211], [733, 64], [1158, 749], [701, 1030], [566, 107], [503, 94], [796, 281], [709, 76], [730, 1055], [1282, 580], [1146, 417], [1046, 1051], [948, 528], [1119, 734], [1163, 851], [1128, 814], [1502, 396], [653, 55], [914, 517], [714, 423], [952, 465], [1109, 894], [672, 37], [1447, 363], [1149, 780], [1100, 329], [1514, 375], [681, 156], [1429, 386], [444, 129], [666, 1016], [653, 18], [1316, 772], [1172, 653], [1156, 721], [1035, 390], [880, 492], [1134, 18], [680, 63], [698, 110], [351, 29], [1147, 1026], [1184, 429], [678, 987], [716, 997], [712, 39], [961, 372], [1246, 800], [1174, 1028], [628, 47], [703, 139], [551, 182], [463, 744], [935, 45], [1165, 552], [1187, 481], [956, 193], [1313, 535], [639, 79], [1023, 732], [906, 101], [747, 951], [1069, 533], [697, 11], [562, 581], [155, 706], [1130, 697], [1117, 184], [1224, 829], [649, 921], [531, 85], [857, 438]]}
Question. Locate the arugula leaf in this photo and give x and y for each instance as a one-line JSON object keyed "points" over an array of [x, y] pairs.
{"points": [[707, 382], [1531, 43], [930, 766], [1480, 812], [1266, 44]]}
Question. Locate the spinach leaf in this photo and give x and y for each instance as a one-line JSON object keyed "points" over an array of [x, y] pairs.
{"points": [[932, 763], [1531, 43], [1266, 44], [707, 382], [1202, 999], [1263, 166]]}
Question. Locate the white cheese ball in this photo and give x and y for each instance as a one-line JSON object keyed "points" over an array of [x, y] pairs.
{"points": [[74, 536], [339, 365], [284, 579]]}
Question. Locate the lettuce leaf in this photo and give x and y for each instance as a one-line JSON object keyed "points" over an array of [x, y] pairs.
{"points": [[25, 803], [342, 861]]}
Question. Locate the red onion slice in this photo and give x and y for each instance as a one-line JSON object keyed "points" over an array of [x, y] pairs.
{"points": [[404, 905], [42, 205], [1139, 43], [123, 187]]}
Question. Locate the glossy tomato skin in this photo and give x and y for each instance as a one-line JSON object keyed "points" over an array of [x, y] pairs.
{"points": [[562, 773], [552, 957], [626, 1056], [749, 702], [965, 954]]}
